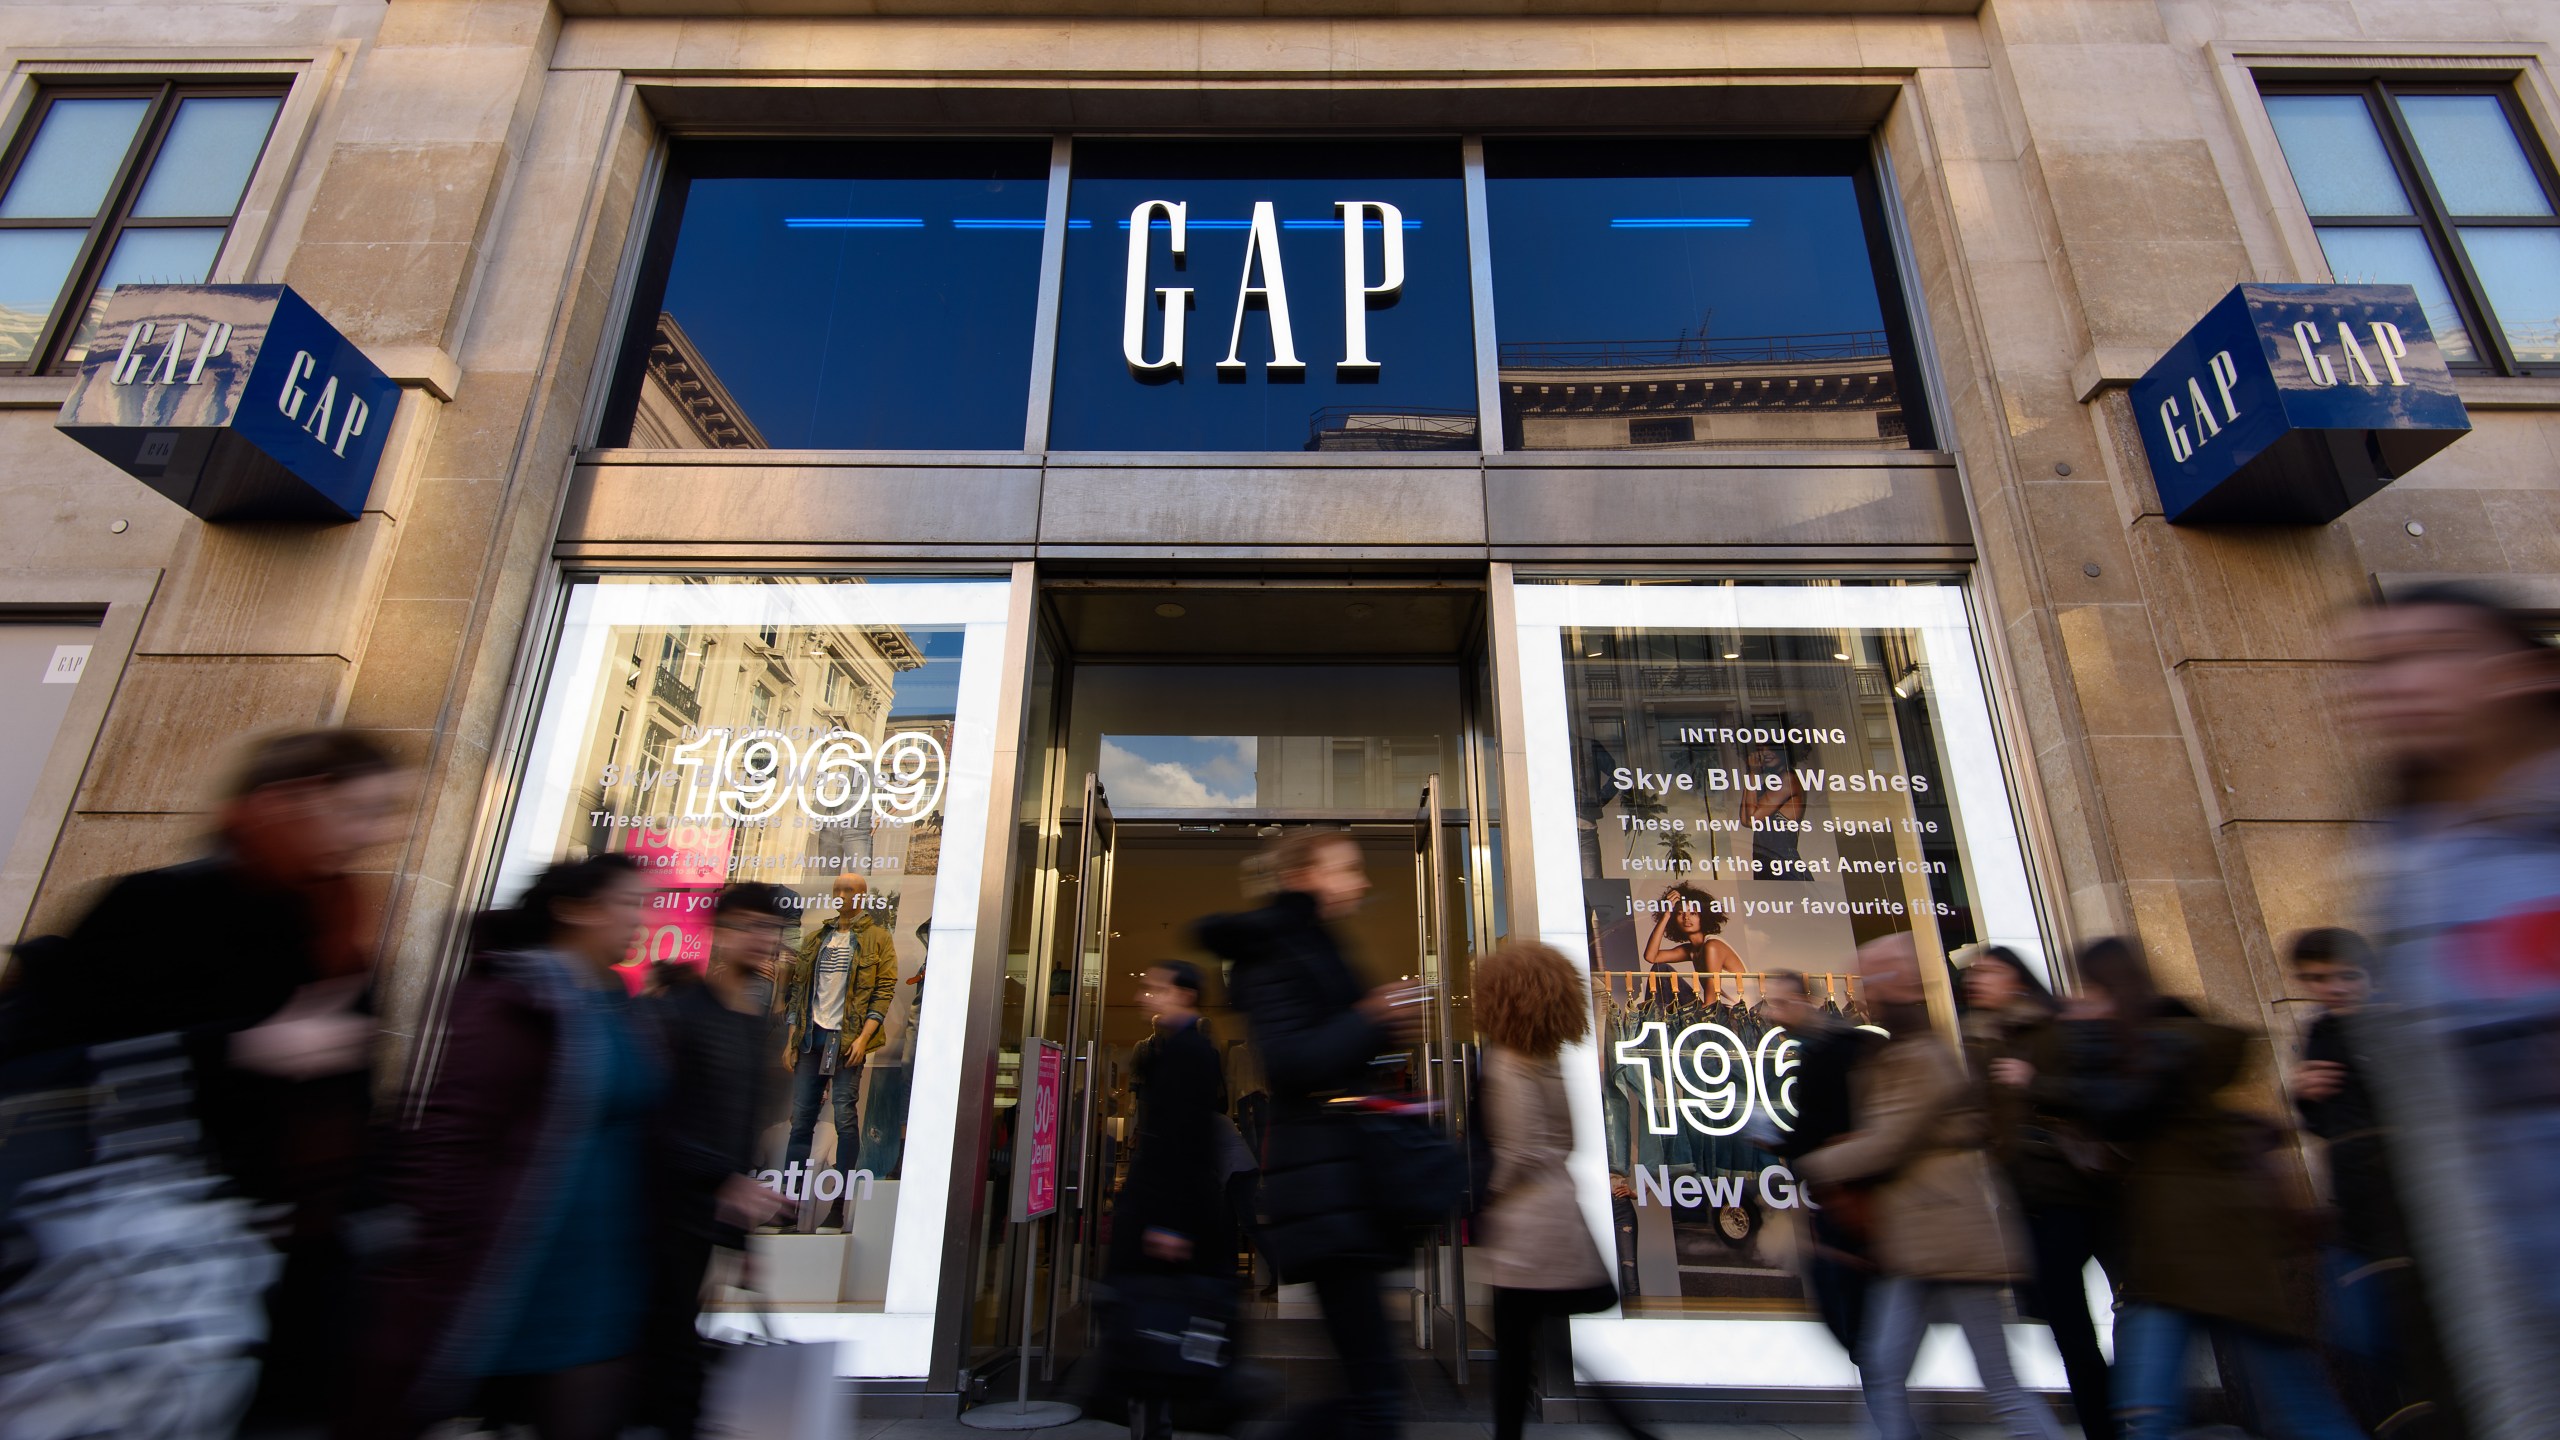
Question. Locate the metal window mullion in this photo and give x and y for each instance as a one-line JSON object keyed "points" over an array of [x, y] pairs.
{"points": [[2467, 287], [1489, 438], [1053, 270], [90, 266]]}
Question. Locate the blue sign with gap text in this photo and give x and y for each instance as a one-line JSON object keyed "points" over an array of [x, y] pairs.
{"points": [[2291, 404], [236, 401]]}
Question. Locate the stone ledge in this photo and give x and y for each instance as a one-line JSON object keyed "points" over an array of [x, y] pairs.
{"points": [[2102, 366], [420, 367], [2508, 392], [35, 392]]}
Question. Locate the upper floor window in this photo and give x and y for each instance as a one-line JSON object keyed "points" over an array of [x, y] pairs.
{"points": [[2441, 190], [868, 295], [112, 186], [1696, 295]]}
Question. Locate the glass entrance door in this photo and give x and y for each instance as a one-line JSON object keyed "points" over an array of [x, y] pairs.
{"points": [[1440, 1297], [1078, 967]]}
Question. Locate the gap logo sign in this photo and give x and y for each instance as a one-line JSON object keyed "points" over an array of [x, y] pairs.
{"points": [[236, 401], [2291, 404]]}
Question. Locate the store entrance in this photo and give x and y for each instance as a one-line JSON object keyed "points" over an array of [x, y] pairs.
{"points": [[1180, 751]]}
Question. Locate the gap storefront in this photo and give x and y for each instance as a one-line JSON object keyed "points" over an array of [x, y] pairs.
{"points": [[995, 539]]}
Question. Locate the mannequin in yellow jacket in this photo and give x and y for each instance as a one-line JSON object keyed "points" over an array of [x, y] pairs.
{"points": [[835, 1005]]}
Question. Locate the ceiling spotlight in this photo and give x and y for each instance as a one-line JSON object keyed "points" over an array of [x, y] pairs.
{"points": [[1839, 654], [1733, 654], [1171, 611]]}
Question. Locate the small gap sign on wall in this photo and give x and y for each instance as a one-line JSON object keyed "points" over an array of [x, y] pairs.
{"points": [[67, 663]]}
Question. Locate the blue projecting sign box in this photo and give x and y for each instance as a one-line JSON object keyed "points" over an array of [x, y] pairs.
{"points": [[237, 401], [2290, 404]]}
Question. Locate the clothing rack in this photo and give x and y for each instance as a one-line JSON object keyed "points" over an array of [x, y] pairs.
{"points": [[1840, 989]]}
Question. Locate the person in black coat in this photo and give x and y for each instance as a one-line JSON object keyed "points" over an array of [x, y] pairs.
{"points": [[716, 1034], [1316, 1029], [1171, 1215], [1828, 1051]]}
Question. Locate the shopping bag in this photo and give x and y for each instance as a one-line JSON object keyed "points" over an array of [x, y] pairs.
{"points": [[1168, 1333], [762, 1389]]}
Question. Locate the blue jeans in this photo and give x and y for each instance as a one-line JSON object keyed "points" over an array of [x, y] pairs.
{"points": [[809, 1087], [1899, 1309], [2294, 1399]]}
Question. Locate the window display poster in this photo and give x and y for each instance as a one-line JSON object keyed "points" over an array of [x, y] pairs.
{"points": [[798, 734], [1745, 801], [1039, 1168]]}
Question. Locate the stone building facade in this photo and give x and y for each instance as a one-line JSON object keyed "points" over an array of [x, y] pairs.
{"points": [[466, 189]]}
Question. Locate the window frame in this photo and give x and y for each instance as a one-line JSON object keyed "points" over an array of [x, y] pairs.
{"points": [[104, 229], [2429, 217]]}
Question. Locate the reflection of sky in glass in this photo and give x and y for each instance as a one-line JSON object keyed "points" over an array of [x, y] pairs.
{"points": [[934, 688], [1179, 772], [1627, 258], [836, 330], [1422, 339]]}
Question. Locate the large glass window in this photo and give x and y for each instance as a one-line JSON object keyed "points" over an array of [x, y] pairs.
{"points": [[869, 808], [1695, 295], [109, 187], [2442, 191], [1262, 293], [1730, 781], [845, 296]]}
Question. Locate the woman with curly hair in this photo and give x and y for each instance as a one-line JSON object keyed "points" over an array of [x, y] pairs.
{"points": [[1536, 1249]]}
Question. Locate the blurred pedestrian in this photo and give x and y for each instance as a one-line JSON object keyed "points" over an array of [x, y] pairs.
{"points": [[2213, 1247], [1171, 1215], [2458, 697], [1316, 1029], [1828, 1049], [2064, 1180], [835, 1008], [1535, 1249], [526, 1271], [715, 1034], [1946, 1237], [258, 955]]}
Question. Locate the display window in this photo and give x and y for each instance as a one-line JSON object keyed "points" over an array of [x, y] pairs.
{"points": [[1729, 781], [833, 737]]}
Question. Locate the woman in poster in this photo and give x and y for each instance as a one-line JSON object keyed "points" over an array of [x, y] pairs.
{"points": [[1772, 808], [1685, 938]]}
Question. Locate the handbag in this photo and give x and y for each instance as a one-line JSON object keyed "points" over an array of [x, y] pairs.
{"points": [[1168, 1333], [1417, 1178]]}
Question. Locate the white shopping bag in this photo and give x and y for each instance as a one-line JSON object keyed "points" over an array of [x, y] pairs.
{"points": [[764, 1390]]}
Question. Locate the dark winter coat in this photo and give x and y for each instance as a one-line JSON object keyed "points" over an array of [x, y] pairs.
{"points": [[2360, 1178], [2026, 1136], [718, 1061], [1301, 997], [1175, 1178], [478, 1183], [204, 950], [2209, 1226]]}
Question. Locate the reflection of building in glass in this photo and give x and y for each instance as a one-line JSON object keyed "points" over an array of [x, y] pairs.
{"points": [[675, 684], [1773, 392], [683, 405], [1353, 428]]}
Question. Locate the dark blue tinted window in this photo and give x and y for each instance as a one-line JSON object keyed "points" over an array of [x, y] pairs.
{"points": [[847, 296], [1421, 393], [1694, 295]]}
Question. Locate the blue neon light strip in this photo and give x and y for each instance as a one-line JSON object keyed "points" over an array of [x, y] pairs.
{"points": [[1161, 224], [850, 222], [972, 223], [1680, 222]]}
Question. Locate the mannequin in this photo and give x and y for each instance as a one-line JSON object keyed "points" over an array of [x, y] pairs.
{"points": [[835, 1004]]}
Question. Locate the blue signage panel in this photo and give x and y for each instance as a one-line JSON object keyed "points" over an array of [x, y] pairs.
{"points": [[236, 401], [2291, 404]]}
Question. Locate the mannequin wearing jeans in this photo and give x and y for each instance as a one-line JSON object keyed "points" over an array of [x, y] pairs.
{"points": [[835, 1001]]}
